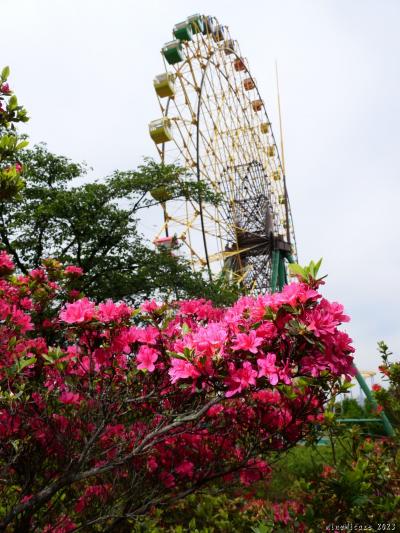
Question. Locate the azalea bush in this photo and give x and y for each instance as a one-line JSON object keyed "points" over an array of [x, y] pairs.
{"points": [[107, 411]]}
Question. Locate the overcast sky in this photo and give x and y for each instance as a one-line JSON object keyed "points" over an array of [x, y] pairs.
{"points": [[84, 70]]}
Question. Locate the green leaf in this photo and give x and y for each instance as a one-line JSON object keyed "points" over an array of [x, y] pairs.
{"points": [[22, 363], [185, 329], [297, 270], [176, 355], [21, 145], [5, 73], [12, 103], [317, 266]]}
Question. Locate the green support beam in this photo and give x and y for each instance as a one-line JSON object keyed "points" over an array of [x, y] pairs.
{"points": [[282, 276], [275, 270], [386, 422]]}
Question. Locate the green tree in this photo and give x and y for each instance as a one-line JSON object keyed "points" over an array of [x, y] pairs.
{"points": [[11, 113], [95, 225]]}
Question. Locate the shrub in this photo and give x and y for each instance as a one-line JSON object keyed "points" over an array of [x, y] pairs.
{"points": [[107, 411]]}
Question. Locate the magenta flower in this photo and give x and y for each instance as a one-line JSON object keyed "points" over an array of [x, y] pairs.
{"points": [[6, 264], [109, 311], [149, 335], [21, 320], [186, 468], [5, 88], [247, 342], [82, 310], [147, 357], [73, 270], [268, 369], [149, 306], [181, 369], [70, 398], [209, 340], [240, 378]]}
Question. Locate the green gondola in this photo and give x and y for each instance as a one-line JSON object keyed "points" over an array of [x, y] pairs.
{"points": [[172, 52], [183, 31]]}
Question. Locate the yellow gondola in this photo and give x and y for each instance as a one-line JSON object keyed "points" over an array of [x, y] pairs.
{"points": [[160, 130], [164, 84]]}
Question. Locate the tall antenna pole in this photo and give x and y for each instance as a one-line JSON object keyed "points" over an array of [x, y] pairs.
{"points": [[280, 118], [282, 157]]}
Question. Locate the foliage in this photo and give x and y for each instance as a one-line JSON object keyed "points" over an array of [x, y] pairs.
{"points": [[107, 411], [11, 182], [389, 398], [363, 486], [307, 273], [360, 483], [94, 226], [211, 512]]}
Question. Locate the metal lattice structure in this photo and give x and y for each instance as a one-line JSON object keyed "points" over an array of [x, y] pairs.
{"points": [[214, 123]]}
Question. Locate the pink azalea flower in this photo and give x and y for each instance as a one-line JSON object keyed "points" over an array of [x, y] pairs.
{"points": [[21, 320], [268, 396], [73, 270], [210, 339], [6, 265], [149, 335], [267, 330], [267, 368], [167, 479], [38, 274], [152, 464], [255, 470], [240, 378], [26, 303], [147, 357], [247, 342], [322, 322], [186, 468], [70, 398], [149, 306], [82, 310], [181, 369], [285, 374], [110, 311], [215, 410]]}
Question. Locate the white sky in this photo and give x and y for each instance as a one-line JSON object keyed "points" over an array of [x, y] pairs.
{"points": [[84, 70]]}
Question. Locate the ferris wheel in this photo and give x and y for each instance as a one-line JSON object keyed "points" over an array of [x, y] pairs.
{"points": [[214, 123]]}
